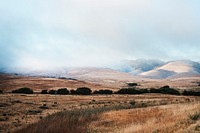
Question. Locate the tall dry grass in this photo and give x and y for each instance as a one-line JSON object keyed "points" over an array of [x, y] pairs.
{"points": [[163, 119], [74, 121]]}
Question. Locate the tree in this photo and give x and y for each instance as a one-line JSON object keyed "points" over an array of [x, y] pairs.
{"points": [[83, 91], [23, 90], [44, 92], [63, 91], [52, 92]]}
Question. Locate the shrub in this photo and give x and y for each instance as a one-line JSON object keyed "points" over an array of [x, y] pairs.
{"points": [[129, 91], [44, 92], [52, 92], [132, 84], [165, 90], [63, 91], [168, 90], [23, 90], [33, 112], [103, 92], [195, 116], [132, 103], [191, 93], [73, 92], [1, 91], [144, 91], [83, 91], [152, 90]]}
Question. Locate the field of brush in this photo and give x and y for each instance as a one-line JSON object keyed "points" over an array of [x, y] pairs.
{"points": [[97, 113], [35, 113]]}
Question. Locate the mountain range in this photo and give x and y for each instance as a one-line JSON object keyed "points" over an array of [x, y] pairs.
{"points": [[126, 69]]}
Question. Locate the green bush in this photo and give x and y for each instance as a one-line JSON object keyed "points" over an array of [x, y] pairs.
{"points": [[165, 90], [132, 84], [131, 91], [44, 92], [191, 93], [83, 91], [23, 90], [103, 92], [168, 90], [62, 91], [152, 90], [52, 92], [73, 92]]}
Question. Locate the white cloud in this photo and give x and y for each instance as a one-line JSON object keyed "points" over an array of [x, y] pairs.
{"points": [[97, 32]]}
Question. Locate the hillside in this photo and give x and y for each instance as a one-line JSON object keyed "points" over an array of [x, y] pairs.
{"points": [[174, 69]]}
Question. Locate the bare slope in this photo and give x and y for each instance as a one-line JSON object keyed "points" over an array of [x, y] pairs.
{"points": [[178, 69]]}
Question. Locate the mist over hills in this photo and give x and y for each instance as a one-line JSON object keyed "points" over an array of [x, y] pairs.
{"points": [[174, 69], [126, 69]]}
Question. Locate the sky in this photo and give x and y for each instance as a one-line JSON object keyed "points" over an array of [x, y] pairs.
{"points": [[57, 33]]}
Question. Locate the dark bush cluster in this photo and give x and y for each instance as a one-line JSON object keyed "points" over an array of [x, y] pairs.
{"points": [[65, 91], [44, 92], [191, 93], [1, 91], [62, 91], [168, 90], [132, 84], [103, 92], [23, 90], [83, 91], [52, 92], [132, 91], [73, 92], [165, 90], [153, 90]]}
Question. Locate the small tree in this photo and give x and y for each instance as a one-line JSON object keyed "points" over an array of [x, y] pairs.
{"points": [[23, 90], [73, 92], [153, 90], [191, 93], [52, 92], [62, 91], [168, 90], [83, 91], [103, 92], [44, 92], [132, 84]]}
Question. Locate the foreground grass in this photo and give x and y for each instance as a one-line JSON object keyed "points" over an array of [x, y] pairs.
{"points": [[161, 119], [123, 119], [74, 121]]}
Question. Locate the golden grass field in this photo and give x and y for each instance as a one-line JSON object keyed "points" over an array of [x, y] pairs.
{"points": [[144, 113]]}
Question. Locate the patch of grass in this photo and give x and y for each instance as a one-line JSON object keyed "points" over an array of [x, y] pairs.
{"points": [[132, 103], [33, 112], [195, 116], [74, 121], [5, 104], [44, 106]]}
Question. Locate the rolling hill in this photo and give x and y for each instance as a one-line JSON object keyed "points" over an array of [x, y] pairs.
{"points": [[174, 69]]}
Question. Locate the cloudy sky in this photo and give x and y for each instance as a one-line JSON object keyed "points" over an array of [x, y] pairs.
{"points": [[52, 33]]}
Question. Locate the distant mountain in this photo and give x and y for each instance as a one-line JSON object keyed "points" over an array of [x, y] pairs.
{"points": [[125, 70], [136, 67], [174, 69]]}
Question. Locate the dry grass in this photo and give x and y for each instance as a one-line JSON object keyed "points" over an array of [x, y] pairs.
{"points": [[164, 119], [19, 110], [12, 82]]}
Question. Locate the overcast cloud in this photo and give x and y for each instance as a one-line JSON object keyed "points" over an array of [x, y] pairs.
{"points": [[97, 32]]}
